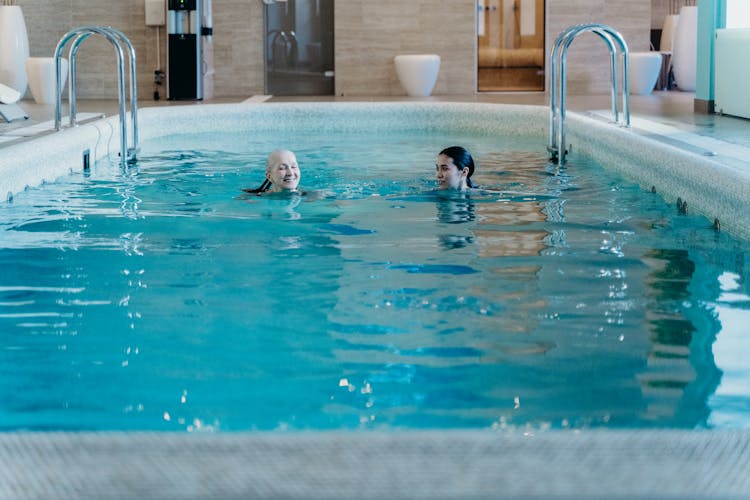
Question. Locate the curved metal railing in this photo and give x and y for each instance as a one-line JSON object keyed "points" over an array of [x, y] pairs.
{"points": [[614, 40], [118, 39]]}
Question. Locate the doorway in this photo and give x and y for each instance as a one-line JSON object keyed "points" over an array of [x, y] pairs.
{"points": [[510, 45], [298, 51]]}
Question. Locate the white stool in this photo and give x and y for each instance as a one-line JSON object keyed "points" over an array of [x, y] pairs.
{"points": [[41, 72], [417, 73], [644, 71]]}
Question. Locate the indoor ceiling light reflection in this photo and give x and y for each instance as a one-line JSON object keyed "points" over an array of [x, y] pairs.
{"points": [[343, 382]]}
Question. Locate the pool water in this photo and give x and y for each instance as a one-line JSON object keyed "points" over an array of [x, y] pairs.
{"points": [[163, 298]]}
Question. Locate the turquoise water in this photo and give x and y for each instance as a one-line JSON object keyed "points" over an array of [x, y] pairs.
{"points": [[163, 298]]}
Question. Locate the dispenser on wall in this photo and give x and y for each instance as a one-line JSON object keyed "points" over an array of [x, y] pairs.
{"points": [[184, 75]]}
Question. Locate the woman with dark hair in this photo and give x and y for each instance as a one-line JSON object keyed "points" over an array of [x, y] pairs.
{"points": [[453, 168]]}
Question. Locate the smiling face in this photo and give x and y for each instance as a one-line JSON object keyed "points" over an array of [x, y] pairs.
{"points": [[282, 170], [448, 174]]}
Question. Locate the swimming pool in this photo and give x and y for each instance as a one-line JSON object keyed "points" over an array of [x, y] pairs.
{"points": [[161, 298]]}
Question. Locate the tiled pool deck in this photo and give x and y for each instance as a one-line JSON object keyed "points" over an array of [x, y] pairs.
{"points": [[377, 465], [667, 116], [430, 464]]}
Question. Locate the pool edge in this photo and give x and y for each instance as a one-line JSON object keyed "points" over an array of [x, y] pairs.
{"points": [[417, 464]]}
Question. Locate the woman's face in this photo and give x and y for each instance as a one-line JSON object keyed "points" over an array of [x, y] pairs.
{"points": [[283, 172], [448, 175]]}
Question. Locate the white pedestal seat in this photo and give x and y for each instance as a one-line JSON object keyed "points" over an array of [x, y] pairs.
{"points": [[644, 71], [417, 73], [41, 72]]}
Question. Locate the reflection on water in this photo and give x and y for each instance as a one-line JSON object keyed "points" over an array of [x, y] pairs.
{"points": [[508, 232], [455, 208], [161, 298], [678, 367], [730, 404]]}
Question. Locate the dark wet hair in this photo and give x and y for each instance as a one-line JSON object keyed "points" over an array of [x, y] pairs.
{"points": [[265, 186], [461, 159]]}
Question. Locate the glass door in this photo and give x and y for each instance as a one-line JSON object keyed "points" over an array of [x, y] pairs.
{"points": [[299, 47], [510, 45]]}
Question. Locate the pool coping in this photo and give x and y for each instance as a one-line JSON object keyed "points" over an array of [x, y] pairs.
{"points": [[592, 463], [715, 186]]}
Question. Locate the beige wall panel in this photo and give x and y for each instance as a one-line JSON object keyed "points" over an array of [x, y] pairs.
{"points": [[238, 47], [368, 34], [588, 57], [238, 43], [46, 22], [659, 10]]}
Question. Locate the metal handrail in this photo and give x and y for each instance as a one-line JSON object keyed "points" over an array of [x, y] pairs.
{"points": [[117, 38], [133, 80], [613, 39]]}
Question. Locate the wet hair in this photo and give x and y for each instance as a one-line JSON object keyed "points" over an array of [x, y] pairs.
{"points": [[461, 159], [265, 186]]}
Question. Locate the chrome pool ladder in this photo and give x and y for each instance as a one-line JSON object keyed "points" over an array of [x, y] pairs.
{"points": [[614, 40], [118, 39]]}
